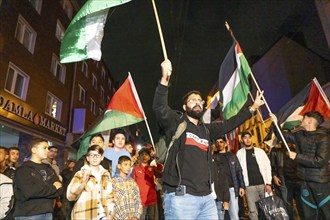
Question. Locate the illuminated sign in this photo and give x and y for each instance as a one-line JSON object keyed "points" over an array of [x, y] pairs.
{"points": [[35, 118]]}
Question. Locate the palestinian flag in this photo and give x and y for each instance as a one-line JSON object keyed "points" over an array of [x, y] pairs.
{"points": [[311, 98], [233, 80], [82, 39], [124, 109]]}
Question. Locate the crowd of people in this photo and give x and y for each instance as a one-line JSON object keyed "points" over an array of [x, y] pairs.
{"points": [[200, 178]]}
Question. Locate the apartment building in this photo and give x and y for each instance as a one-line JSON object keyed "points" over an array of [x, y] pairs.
{"points": [[39, 96]]}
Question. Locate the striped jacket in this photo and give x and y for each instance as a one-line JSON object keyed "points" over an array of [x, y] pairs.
{"points": [[94, 199]]}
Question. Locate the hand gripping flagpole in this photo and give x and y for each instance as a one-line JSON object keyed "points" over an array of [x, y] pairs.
{"points": [[263, 97], [161, 36]]}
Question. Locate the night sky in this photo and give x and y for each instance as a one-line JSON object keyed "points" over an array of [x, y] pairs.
{"points": [[197, 40]]}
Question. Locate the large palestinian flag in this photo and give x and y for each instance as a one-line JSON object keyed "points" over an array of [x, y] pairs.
{"points": [[124, 109], [233, 80]]}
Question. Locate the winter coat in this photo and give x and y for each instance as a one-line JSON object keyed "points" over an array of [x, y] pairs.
{"points": [[313, 154]]}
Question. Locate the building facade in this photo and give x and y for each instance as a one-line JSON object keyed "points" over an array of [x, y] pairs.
{"points": [[39, 96]]}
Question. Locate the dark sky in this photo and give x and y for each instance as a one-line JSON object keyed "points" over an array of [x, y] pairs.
{"points": [[197, 40]]}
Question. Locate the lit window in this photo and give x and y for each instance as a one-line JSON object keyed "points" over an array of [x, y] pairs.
{"points": [[58, 69], [53, 106], [93, 107], [82, 94], [84, 68], [36, 4], [17, 82], [102, 95], [59, 31], [25, 34], [67, 7], [94, 82]]}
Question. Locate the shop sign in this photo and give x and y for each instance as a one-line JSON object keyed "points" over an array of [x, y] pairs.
{"points": [[35, 118]]}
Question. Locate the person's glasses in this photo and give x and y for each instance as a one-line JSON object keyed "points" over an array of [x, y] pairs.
{"points": [[196, 101], [94, 155]]}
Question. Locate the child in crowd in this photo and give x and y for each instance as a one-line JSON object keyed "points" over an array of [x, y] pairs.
{"points": [[118, 149], [144, 175], [91, 188], [36, 185], [126, 192]]}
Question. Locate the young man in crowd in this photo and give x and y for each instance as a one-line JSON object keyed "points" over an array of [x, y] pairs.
{"points": [[96, 139], [234, 175], [186, 175], [118, 149], [312, 157], [13, 157], [36, 185], [4, 168], [257, 172]]}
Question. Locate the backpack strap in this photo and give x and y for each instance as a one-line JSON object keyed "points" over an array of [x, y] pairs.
{"points": [[180, 129]]}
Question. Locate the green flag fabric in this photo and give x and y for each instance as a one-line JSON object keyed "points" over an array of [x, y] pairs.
{"points": [[82, 39], [233, 81]]}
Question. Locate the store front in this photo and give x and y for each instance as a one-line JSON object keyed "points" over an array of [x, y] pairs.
{"points": [[19, 122]]}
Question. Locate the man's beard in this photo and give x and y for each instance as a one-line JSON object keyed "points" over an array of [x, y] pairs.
{"points": [[195, 113]]}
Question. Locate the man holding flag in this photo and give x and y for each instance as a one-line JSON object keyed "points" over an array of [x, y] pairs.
{"points": [[187, 178], [312, 156]]}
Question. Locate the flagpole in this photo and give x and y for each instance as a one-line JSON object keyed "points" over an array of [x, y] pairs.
{"points": [[159, 30], [141, 109], [263, 97], [161, 36], [319, 87]]}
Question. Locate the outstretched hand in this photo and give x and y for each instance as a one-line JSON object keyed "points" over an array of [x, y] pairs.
{"points": [[258, 101], [166, 66]]}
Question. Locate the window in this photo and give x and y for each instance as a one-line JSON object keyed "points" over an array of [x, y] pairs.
{"points": [[103, 75], [84, 68], [94, 82], [93, 107], [25, 34], [102, 95], [67, 7], [36, 4], [59, 31], [58, 69], [82, 94], [53, 106], [17, 82]]}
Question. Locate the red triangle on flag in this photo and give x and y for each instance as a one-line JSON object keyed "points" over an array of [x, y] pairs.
{"points": [[125, 100], [316, 102]]}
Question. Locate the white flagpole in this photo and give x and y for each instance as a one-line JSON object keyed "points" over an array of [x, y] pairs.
{"points": [[321, 92], [141, 109]]}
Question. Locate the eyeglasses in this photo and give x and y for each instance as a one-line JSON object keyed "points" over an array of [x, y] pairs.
{"points": [[94, 155], [196, 101]]}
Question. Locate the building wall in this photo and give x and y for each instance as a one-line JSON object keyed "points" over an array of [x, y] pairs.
{"points": [[20, 119]]}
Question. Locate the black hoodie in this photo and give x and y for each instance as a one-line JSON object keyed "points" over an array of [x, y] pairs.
{"points": [[34, 190]]}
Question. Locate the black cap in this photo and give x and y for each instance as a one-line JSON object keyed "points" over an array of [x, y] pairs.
{"points": [[243, 133]]}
